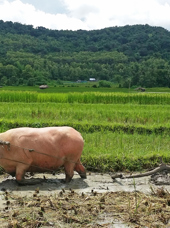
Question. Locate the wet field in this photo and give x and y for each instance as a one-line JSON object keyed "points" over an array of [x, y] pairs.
{"points": [[98, 201]]}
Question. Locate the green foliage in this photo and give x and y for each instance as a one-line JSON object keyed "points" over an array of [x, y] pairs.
{"points": [[130, 55], [59, 82], [104, 84]]}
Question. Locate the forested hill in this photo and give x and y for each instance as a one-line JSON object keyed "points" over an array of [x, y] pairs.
{"points": [[129, 55], [134, 41]]}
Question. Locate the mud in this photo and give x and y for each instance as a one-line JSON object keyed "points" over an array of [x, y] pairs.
{"points": [[50, 185], [99, 182]]}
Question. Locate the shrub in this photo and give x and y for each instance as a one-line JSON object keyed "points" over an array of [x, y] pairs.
{"points": [[104, 84]]}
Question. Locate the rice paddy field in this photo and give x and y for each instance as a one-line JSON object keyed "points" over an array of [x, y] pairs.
{"points": [[122, 131]]}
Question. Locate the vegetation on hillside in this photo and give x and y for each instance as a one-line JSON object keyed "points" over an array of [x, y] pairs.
{"points": [[130, 56]]}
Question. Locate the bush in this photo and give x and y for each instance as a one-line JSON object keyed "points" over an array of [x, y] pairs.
{"points": [[94, 86], [59, 82], [104, 84]]}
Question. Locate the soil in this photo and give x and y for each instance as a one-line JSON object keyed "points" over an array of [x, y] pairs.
{"points": [[98, 201]]}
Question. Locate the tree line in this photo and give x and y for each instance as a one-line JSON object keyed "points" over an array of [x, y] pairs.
{"points": [[131, 55]]}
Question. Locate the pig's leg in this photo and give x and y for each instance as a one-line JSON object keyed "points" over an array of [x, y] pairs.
{"points": [[80, 169], [69, 171], [20, 172]]}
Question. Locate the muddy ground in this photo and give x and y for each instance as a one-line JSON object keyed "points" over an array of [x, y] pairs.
{"points": [[98, 201]]}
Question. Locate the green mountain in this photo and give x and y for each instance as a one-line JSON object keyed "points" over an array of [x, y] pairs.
{"points": [[130, 55]]}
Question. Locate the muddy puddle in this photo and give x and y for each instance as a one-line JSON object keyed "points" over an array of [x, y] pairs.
{"points": [[99, 182], [99, 198]]}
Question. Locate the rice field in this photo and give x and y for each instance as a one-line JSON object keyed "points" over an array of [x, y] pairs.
{"points": [[86, 97], [122, 131]]}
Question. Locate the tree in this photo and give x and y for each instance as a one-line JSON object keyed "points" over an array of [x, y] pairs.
{"points": [[10, 71], [138, 54], [13, 80], [28, 72], [4, 80], [31, 82]]}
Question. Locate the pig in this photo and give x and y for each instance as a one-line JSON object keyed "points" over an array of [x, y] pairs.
{"points": [[40, 150]]}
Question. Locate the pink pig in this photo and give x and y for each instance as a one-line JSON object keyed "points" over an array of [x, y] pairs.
{"points": [[40, 150]]}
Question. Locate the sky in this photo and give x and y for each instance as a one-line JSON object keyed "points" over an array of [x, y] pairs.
{"points": [[86, 14]]}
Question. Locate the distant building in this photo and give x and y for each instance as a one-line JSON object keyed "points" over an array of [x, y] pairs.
{"points": [[92, 79], [43, 86], [141, 89]]}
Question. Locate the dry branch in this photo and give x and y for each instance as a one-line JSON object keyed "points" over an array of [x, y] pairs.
{"points": [[162, 167]]}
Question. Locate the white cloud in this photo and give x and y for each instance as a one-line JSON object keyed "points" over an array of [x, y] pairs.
{"points": [[89, 14], [17, 11], [122, 12]]}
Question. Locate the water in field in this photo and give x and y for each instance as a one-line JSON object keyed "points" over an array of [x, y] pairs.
{"points": [[82, 192]]}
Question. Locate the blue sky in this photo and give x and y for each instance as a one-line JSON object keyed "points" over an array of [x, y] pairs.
{"points": [[86, 14]]}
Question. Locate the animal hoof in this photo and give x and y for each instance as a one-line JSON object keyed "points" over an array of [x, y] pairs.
{"points": [[83, 176]]}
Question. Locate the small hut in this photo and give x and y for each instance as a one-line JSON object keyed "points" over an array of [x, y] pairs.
{"points": [[43, 86], [140, 89]]}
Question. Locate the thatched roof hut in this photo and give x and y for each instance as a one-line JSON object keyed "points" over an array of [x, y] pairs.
{"points": [[141, 89], [43, 86]]}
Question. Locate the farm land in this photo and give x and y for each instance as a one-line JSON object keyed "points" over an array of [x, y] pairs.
{"points": [[124, 131]]}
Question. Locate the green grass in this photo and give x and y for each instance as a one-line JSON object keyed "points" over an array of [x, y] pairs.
{"points": [[86, 97], [122, 131], [106, 115], [120, 152], [81, 87]]}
